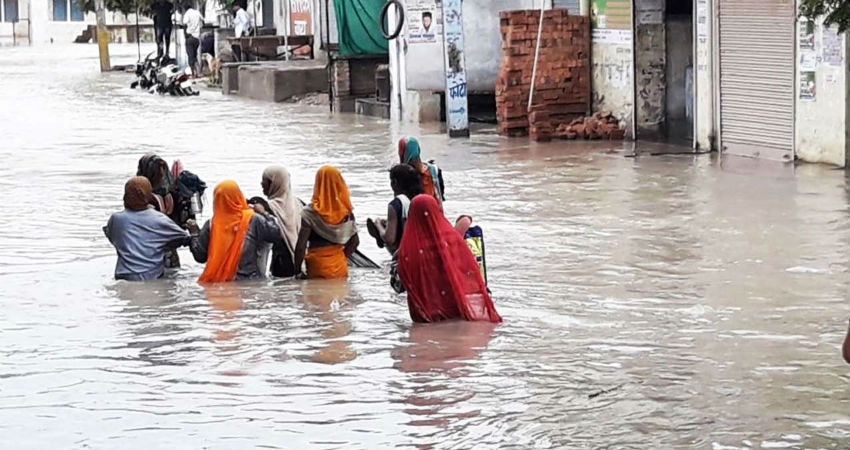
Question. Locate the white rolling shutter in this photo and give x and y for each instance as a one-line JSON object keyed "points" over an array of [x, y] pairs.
{"points": [[757, 76]]}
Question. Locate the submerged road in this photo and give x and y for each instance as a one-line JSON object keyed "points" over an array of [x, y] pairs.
{"points": [[669, 302]]}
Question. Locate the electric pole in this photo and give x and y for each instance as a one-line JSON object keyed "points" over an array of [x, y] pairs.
{"points": [[102, 35]]}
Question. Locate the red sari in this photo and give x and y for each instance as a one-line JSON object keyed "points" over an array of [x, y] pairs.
{"points": [[438, 269]]}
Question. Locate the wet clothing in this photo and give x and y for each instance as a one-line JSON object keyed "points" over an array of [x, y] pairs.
{"points": [[261, 231], [221, 246], [141, 239], [328, 262], [331, 221], [438, 270], [401, 206], [287, 210]]}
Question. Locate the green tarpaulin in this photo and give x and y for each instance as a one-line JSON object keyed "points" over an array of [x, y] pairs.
{"points": [[359, 27]]}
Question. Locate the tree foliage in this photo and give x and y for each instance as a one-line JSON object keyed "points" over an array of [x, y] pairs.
{"points": [[833, 12]]}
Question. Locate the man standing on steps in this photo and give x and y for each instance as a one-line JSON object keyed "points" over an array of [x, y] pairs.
{"points": [[161, 11], [241, 27], [193, 20]]}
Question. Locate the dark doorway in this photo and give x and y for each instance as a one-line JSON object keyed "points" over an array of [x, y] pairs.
{"points": [[679, 23]]}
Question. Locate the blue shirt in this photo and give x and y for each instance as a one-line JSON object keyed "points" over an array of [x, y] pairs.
{"points": [[141, 239]]}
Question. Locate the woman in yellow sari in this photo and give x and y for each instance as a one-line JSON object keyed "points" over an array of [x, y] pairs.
{"points": [[328, 231]]}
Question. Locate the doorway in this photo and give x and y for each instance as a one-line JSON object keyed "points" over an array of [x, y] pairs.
{"points": [[679, 23], [664, 49]]}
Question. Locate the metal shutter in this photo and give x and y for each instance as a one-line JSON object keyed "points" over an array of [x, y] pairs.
{"points": [[757, 78], [570, 5]]}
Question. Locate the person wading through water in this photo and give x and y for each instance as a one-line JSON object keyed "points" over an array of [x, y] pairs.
{"points": [[286, 208], [231, 242], [409, 152], [328, 226], [438, 270], [142, 235], [406, 183]]}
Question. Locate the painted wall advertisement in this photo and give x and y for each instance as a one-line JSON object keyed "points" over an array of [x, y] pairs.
{"points": [[300, 17], [456, 99], [423, 22]]}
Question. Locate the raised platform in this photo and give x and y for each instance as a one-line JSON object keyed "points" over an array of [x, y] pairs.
{"points": [[372, 107], [274, 81]]}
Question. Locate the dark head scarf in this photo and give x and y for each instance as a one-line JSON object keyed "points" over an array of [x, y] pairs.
{"points": [[155, 169], [137, 193]]}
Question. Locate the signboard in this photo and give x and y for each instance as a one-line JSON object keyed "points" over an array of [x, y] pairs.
{"points": [[457, 115], [300, 18], [424, 22], [611, 14]]}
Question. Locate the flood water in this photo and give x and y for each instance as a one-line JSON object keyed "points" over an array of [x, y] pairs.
{"points": [[664, 302]]}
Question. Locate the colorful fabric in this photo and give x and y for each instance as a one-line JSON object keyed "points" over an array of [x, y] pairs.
{"points": [[283, 204], [327, 262], [229, 224], [442, 278], [409, 149], [137, 193], [331, 199]]}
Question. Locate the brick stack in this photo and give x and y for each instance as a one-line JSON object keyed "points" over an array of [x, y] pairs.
{"points": [[562, 86], [602, 125]]}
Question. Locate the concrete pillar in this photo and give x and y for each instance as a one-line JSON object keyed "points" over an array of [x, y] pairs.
{"points": [[102, 36]]}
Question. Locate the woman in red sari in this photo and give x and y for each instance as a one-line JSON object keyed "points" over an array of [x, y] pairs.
{"points": [[438, 270]]}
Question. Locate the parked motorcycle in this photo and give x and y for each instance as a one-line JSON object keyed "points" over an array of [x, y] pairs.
{"points": [[163, 77]]}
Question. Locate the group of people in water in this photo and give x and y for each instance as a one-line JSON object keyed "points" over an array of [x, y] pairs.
{"points": [[280, 236]]}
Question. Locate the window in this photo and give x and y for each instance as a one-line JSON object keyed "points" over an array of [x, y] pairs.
{"points": [[77, 14], [60, 10], [10, 11]]}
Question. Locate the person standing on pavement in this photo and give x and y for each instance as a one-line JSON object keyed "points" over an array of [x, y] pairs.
{"points": [[161, 11], [241, 27], [193, 21]]}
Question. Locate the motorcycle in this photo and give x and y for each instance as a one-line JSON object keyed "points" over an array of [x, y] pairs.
{"points": [[163, 77]]}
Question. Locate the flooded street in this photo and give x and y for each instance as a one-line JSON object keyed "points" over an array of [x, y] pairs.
{"points": [[666, 302]]}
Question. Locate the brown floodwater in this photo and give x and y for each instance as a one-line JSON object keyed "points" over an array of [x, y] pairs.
{"points": [[680, 302]]}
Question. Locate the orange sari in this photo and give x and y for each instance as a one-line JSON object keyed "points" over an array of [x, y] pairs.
{"points": [[332, 203], [230, 222]]}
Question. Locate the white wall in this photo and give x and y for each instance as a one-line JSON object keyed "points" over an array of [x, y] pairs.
{"points": [[821, 123], [483, 48]]}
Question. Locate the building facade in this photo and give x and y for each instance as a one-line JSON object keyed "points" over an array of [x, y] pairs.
{"points": [[745, 77]]}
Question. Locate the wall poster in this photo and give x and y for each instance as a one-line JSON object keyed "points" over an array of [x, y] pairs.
{"points": [[424, 24], [808, 86], [300, 17], [832, 47]]}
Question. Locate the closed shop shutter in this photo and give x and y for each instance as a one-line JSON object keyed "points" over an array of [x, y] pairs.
{"points": [[757, 69], [570, 5]]}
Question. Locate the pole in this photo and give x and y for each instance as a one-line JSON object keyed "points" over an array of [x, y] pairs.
{"points": [[536, 54], [286, 29], [457, 104], [102, 35], [138, 35]]}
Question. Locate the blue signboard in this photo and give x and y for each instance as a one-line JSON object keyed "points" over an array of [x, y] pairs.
{"points": [[457, 116]]}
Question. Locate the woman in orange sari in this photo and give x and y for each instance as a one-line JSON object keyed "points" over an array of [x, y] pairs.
{"points": [[231, 242], [328, 231]]}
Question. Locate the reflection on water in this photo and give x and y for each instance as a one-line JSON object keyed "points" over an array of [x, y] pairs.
{"points": [[651, 302]]}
